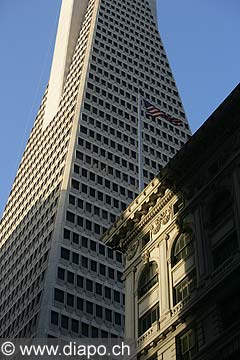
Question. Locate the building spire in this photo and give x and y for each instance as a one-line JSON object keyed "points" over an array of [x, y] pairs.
{"points": [[70, 22]]}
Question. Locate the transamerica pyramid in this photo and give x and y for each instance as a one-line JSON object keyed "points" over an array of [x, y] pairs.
{"points": [[79, 171]]}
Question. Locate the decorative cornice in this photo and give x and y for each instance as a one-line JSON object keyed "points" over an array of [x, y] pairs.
{"points": [[127, 233], [162, 219], [132, 249]]}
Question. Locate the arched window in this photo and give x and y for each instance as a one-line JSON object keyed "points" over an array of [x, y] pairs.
{"points": [[148, 278], [183, 247]]}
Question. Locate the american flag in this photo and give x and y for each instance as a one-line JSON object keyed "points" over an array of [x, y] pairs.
{"points": [[155, 112]]}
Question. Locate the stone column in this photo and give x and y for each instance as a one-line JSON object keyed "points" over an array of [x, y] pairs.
{"points": [[130, 306], [163, 280], [201, 248]]}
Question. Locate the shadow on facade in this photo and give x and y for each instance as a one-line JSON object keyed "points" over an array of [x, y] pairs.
{"points": [[24, 257], [181, 237]]}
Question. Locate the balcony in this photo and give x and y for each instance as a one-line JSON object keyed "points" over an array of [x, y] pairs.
{"points": [[149, 335]]}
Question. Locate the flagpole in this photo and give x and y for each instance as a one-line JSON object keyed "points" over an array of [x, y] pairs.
{"points": [[140, 159]]}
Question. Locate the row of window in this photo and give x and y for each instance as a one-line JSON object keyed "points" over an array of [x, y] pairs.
{"points": [[142, 12], [106, 183], [102, 152], [123, 83], [45, 175], [85, 223], [103, 182], [85, 262], [93, 246], [98, 195], [115, 20], [105, 139], [120, 48], [29, 299], [117, 69], [25, 331], [76, 185], [103, 117], [91, 209], [127, 31], [122, 161], [88, 307], [15, 247], [113, 98], [25, 272], [80, 282], [78, 327], [120, 126], [89, 264], [148, 87], [96, 163]]}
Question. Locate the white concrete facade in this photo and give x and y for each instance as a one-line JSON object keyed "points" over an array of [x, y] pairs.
{"points": [[70, 23]]}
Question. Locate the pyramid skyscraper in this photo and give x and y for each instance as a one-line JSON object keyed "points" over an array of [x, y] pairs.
{"points": [[79, 171]]}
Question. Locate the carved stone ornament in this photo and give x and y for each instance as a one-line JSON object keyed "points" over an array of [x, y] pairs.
{"points": [[145, 257], [156, 226], [132, 249], [166, 216], [162, 219]]}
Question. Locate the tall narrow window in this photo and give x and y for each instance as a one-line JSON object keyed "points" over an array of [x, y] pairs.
{"points": [[188, 346], [183, 289], [183, 247], [227, 248], [220, 207], [147, 320], [148, 278]]}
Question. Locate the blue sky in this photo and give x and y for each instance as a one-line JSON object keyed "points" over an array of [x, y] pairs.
{"points": [[201, 39]]}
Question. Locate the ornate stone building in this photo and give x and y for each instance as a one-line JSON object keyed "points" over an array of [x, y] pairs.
{"points": [[181, 237]]}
